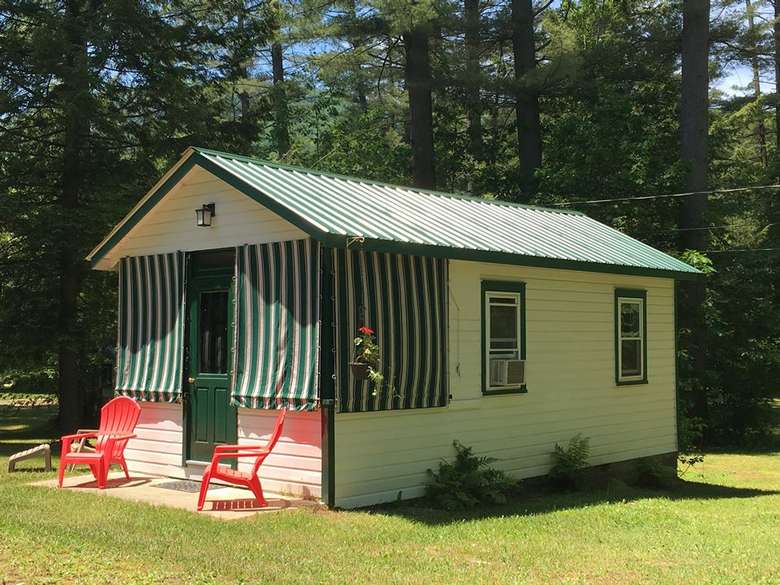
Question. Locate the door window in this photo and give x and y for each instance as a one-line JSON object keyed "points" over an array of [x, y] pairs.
{"points": [[214, 343]]}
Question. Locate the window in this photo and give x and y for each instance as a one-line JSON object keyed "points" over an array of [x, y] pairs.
{"points": [[630, 337], [213, 321], [503, 337]]}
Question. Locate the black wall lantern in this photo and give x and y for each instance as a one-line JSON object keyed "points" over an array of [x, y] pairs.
{"points": [[204, 214]]}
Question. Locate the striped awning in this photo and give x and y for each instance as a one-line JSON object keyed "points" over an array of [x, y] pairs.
{"points": [[403, 299], [151, 327], [277, 325]]}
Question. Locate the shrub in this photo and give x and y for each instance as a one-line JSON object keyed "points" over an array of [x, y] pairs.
{"points": [[23, 382], [468, 481], [651, 473], [690, 433], [569, 462]]}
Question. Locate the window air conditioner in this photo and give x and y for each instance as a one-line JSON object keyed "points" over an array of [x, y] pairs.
{"points": [[507, 372]]}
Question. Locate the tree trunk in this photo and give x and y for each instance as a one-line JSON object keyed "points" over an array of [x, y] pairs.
{"points": [[243, 97], [418, 84], [529, 130], [760, 127], [76, 107], [242, 72], [473, 72], [281, 114], [774, 205], [774, 231], [356, 40], [776, 37], [694, 127], [694, 119]]}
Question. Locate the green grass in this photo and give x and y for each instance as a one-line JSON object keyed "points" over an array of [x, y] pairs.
{"points": [[722, 525]]}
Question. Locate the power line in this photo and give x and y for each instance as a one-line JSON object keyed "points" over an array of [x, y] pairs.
{"points": [[721, 227], [667, 195], [741, 250]]}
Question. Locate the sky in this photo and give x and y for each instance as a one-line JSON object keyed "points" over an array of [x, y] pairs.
{"points": [[738, 79]]}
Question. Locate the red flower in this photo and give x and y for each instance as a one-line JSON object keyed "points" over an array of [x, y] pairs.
{"points": [[366, 330]]}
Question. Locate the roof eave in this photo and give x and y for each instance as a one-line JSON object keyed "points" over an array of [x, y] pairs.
{"points": [[189, 159], [497, 257], [152, 197], [192, 157]]}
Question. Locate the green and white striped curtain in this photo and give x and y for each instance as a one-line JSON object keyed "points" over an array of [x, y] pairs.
{"points": [[403, 299], [277, 325], [151, 327]]}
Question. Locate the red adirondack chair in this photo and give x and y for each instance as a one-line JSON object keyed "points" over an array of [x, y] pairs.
{"points": [[242, 478], [118, 418]]}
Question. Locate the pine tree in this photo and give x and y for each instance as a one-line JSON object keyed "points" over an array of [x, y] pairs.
{"points": [[527, 121], [473, 100], [694, 127], [419, 87], [97, 97]]}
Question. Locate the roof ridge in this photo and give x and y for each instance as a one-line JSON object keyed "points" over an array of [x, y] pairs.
{"points": [[286, 167]]}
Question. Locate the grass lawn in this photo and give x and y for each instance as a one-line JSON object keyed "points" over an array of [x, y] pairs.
{"points": [[722, 525]]}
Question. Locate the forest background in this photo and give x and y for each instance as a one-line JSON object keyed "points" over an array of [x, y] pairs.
{"points": [[628, 110]]}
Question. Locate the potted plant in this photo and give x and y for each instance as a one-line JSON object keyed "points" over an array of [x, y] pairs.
{"points": [[365, 366]]}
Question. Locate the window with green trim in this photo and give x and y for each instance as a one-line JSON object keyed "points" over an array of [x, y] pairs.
{"points": [[630, 336], [503, 337]]}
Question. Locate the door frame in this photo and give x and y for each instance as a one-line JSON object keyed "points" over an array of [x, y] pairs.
{"points": [[190, 276]]}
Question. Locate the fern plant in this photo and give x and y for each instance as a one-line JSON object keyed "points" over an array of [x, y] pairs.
{"points": [[468, 481], [569, 461]]}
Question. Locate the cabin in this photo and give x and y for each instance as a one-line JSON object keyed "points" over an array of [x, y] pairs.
{"points": [[243, 284]]}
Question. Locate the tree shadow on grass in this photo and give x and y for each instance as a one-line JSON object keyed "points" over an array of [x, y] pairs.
{"points": [[26, 423], [9, 448], [538, 499], [22, 428]]}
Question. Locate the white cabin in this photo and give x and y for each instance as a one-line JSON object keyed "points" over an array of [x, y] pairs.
{"points": [[506, 327]]}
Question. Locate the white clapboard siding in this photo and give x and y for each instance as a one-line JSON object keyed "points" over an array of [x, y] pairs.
{"points": [[156, 450], [170, 225], [295, 465], [570, 373]]}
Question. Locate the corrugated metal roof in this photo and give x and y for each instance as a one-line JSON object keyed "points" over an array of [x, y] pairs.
{"points": [[342, 210]]}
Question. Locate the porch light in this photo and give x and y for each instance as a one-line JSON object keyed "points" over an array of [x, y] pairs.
{"points": [[204, 214]]}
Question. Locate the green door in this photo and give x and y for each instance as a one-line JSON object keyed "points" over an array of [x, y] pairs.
{"points": [[211, 419]]}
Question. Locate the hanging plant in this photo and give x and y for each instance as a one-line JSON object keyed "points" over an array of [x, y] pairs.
{"points": [[365, 366]]}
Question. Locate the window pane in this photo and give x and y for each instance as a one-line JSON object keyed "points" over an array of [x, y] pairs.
{"points": [[629, 319], [503, 345], [631, 358], [503, 300], [212, 260], [213, 332], [503, 326]]}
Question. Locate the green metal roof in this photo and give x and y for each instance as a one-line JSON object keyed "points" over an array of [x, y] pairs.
{"points": [[341, 211]]}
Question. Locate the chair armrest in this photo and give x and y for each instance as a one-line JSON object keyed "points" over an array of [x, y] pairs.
{"points": [[222, 448], [217, 456], [111, 440], [87, 435], [67, 440]]}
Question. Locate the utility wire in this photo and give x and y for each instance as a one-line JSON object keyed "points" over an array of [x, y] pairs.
{"points": [[741, 250], [721, 227], [689, 194], [667, 195]]}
